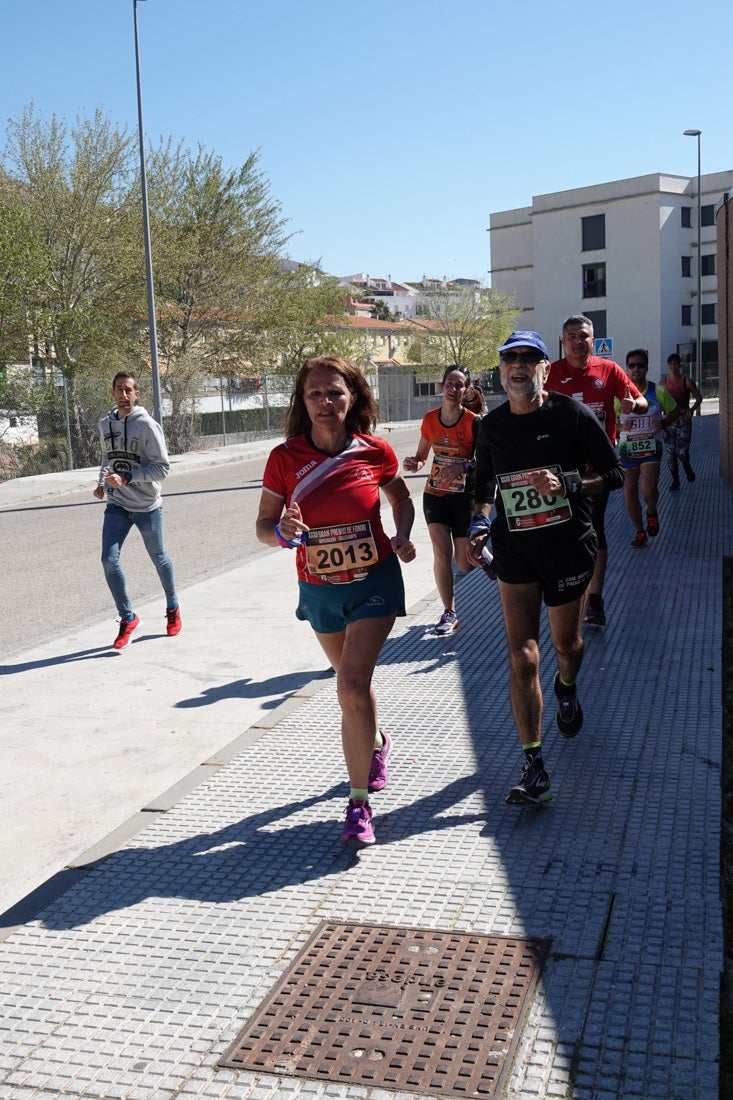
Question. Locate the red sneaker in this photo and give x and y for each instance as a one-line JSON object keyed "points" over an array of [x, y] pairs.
{"points": [[173, 624], [652, 526], [638, 540], [126, 632]]}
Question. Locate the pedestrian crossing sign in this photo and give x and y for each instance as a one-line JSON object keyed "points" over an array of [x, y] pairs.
{"points": [[604, 345]]}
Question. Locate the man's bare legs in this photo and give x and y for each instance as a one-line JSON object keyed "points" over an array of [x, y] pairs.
{"points": [[521, 604]]}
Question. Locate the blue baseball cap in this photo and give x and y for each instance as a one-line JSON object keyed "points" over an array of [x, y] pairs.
{"points": [[525, 338]]}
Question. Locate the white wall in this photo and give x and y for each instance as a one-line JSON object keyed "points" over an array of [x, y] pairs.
{"points": [[536, 254], [18, 431]]}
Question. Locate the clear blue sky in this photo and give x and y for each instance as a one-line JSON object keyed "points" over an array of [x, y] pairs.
{"points": [[389, 132]]}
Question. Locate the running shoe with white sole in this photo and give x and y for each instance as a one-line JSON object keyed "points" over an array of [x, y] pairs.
{"points": [[595, 612], [446, 624], [173, 621], [126, 631], [533, 787], [358, 831], [378, 774]]}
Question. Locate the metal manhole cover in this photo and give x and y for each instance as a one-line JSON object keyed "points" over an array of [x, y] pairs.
{"points": [[436, 1013]]}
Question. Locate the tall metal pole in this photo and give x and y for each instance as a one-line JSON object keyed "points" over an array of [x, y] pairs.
{"points": [[698, 354], [157, 410], [68, 424]]}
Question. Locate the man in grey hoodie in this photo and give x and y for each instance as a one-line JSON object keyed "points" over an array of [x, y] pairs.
{"points": [[134, 462]]}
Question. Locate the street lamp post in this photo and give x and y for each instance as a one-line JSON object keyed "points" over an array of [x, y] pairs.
{"points": [[698, 353], [157, 410]]}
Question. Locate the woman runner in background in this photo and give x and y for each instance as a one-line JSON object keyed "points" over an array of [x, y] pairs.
{"points": [[678, 436], [450, 432]]}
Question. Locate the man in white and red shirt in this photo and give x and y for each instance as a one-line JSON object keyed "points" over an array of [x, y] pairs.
{"points": [[595, 382]]}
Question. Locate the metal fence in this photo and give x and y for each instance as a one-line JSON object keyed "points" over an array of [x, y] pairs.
{"points": [[57, 437], [62, 435]]}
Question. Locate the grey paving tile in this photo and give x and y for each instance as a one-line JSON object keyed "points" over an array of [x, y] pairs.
{"points": [[131, 984]]}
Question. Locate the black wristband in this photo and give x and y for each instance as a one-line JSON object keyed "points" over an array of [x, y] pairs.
{"points": [[572, 483]]}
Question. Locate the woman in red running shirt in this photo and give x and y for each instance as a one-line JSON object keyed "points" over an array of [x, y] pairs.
{"points": [[321, 497]]}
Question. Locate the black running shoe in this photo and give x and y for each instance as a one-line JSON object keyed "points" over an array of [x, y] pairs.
{"points": [[595, 612], [533, 788], [569, 715]]}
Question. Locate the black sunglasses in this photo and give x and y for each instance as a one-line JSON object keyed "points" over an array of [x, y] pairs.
{"points": [[526, 358], [461, 370]]}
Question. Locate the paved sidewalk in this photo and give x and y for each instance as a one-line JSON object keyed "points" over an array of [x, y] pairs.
{"points": [[133, 983], [101, 746]]}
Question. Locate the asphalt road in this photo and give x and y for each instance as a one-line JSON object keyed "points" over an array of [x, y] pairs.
{"points": [[90, 739], [50, 572]]}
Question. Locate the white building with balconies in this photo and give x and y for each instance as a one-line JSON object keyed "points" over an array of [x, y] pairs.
{"points": [[622, 253]]}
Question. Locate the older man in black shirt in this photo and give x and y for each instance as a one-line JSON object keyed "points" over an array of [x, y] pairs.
{"points": [[540, 457]]}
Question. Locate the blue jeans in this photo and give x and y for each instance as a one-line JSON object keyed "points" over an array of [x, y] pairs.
{"points": [[117, 525]]}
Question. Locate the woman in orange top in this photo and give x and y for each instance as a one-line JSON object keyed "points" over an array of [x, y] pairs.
{"points": [[450, 433]]}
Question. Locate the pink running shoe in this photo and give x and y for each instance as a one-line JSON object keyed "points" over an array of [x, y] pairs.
{"points": [[358, 830], [378, 774]]}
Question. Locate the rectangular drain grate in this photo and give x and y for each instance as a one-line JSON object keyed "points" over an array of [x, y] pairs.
{"points": [[435, 1013]]}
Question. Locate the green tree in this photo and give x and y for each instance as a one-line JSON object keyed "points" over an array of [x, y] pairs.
{"points": [[22, 272], [302, 303], [382, 312], [79, 200], [464, 325], [216, 239]]}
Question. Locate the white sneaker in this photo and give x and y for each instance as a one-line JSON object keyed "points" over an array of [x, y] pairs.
{"points": [[446, 624]]}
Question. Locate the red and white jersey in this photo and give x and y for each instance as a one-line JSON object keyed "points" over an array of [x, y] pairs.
{"points": [[338, 496], [595, 385]]}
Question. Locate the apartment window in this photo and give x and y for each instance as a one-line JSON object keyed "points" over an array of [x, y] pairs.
{"points": [[686, 217], [597, 318], [707, 214], [594, 232], [709, 314], [687, 267], [594, 280], [709, 351], [707, 264], [686, 315]]}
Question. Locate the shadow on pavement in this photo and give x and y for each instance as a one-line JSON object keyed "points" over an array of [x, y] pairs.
{"points": [[283, 686], [257, 855]]}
